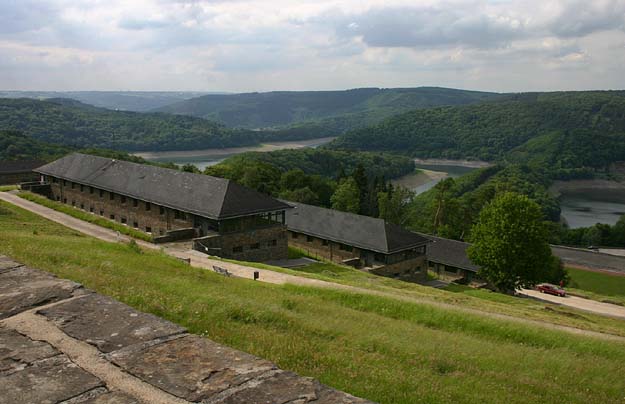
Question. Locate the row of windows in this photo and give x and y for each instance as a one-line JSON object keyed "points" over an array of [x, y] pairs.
{"points": [[324, 242], [122, 219], [255, 246], [123, 199]]}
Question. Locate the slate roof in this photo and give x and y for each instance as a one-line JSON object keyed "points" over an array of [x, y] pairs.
{"points": [[347, 228], [450, 252], [203, 195], [18, 166]]}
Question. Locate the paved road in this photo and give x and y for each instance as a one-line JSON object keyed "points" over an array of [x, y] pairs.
{"points": [[197, 259], [578, 303], [587, 259]]}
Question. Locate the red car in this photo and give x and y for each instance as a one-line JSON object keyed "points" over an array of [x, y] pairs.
{"points": [[550, 289]]}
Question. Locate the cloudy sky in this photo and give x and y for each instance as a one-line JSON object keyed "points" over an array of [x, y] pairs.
{"points": [[259, 45]]}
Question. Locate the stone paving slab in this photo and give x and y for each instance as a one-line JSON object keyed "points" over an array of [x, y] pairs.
{"points": [[46, 381], [23, 288], [101, 395], [18, 351], [199, 370], [108, 324], [6, 263], [191, 367]]}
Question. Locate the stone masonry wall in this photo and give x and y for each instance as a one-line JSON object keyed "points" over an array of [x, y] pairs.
{"points": [[315, 247], [258, 245], [411, 269], [157, 220]]}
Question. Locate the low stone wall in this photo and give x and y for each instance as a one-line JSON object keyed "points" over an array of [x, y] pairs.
{"points": [[62, 342]]}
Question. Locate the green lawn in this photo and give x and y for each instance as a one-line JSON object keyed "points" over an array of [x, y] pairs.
{"points": [[598, 285], [379, 348], [6, 188]]}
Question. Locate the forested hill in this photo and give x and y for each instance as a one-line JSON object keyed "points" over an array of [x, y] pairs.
{"points": [[72, 123], [579, 127], [330, 112]]}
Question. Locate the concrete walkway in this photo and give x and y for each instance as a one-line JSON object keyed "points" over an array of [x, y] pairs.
{"points": [[200, 260], [593, 306], [60, 343]]}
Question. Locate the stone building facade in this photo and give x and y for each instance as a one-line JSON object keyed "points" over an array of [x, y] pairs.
{"points": [[228, 220], [363, 242]]}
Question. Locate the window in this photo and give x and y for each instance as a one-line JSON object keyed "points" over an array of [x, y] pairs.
{"points": [[161, 210], [101, 194], [273, 243], [82, 206], [124, 220], [54, 180], [101, 213], [135, 225], [58, 198], [82, 188], [309, 239], [64, 182], [73, 203], [238, 249], [255, 246], [148, 229], [112, 217], [90, 209], [90, 190], [64, 200], [148, 206], [345, 247], [123, 198], [111, 196], [324, 242], [73, 184], [179, 215], [294, 235], [135, 202]]}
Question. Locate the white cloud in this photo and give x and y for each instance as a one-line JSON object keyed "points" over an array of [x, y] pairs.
{"points": [[256, 45]]}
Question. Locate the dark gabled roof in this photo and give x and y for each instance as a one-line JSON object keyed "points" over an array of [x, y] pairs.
{"points": [[18, 166], [203, 195], [347, 228], [450, 252]]}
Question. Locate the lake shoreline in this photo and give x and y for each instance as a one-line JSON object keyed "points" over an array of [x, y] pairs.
{"points": [[216, 152], [457, 163], [418, 178]]}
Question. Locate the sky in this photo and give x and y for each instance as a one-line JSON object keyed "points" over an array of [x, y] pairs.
{"points": [[258, 45]]}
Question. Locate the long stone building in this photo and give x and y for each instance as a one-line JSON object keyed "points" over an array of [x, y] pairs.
{"points": [[227, 219], [360, 241]]}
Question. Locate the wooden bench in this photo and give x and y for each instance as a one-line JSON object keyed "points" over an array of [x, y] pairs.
{"points": [[221, 271]]}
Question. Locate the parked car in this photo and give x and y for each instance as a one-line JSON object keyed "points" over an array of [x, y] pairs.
{"points": [[550, 289]]}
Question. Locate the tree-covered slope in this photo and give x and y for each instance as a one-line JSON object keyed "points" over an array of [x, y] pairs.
{"points": [[328, 112], [71, 123], [492, 130]]}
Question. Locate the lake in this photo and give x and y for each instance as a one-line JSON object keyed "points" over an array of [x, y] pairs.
{"points": [[431, 174], [586, 208], [210, 157]]}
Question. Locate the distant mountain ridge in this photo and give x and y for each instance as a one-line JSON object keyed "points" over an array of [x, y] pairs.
{"points": [[138, 101], [330, 112], [71, 123]]}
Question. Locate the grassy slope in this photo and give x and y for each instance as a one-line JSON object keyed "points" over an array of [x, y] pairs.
{"points": [[598, 286], [374, 347]]}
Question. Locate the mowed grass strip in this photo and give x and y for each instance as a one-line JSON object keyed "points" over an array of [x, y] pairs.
{"points": [[373, 347]]}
